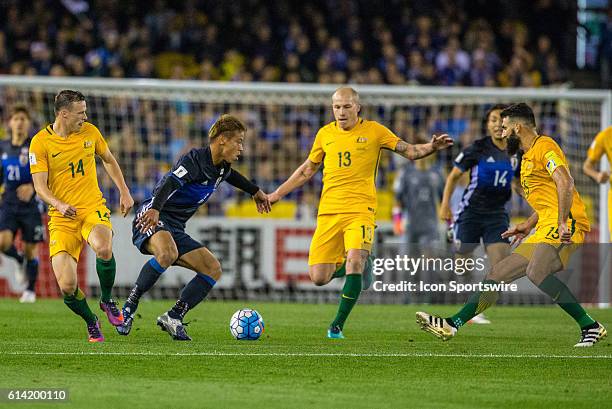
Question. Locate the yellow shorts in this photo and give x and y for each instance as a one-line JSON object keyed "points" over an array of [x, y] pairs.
{"points": [[68, 234], [549, 234], [338, 233]]}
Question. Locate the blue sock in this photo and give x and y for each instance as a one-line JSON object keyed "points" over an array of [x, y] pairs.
{"points": [[149, 274], [193, 293], [32, 273]]}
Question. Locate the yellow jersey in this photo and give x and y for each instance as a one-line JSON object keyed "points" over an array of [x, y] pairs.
{"points": [[601, 144], [71, 164], [537, 166], [350, 163]]}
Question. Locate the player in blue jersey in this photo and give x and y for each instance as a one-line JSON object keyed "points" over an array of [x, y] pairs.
{"points": [[159, 226], [482, 213], [20, 208]]}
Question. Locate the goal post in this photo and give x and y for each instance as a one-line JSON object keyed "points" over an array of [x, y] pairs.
{"points": [[149, 122]]}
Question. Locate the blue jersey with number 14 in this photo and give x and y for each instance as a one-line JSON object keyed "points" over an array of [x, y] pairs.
{"points": [[491, 172]]}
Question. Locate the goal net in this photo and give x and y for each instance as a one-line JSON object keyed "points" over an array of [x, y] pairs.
{"points": [[150, 123]]}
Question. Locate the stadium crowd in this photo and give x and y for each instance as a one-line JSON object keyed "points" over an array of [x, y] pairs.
{"points": [[420, 42], [427, 42]]}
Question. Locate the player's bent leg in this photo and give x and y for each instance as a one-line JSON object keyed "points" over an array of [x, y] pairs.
{"points": [[355, 263], [65, 270], [322, 273], [541, 271], [208, 272], [31, 272], [496, 252], [509, 269], [163, 248], [100, 239]]}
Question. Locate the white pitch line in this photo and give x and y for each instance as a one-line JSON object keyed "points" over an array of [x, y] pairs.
{"points": [[313, 354]]}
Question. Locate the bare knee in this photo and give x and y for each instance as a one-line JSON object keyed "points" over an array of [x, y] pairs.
{"points": [[105, 252], [319, 278], [536, 275], [167, 256], [215, 270], [68, 287]]}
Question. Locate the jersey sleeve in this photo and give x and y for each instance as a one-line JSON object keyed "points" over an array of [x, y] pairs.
{"points": [[317, 152], [386, 138], [38, 156], [550, 156], [467, 158], [101, 145], [186, 170], [597, 148]]}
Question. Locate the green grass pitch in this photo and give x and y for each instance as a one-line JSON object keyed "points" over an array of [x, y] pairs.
{"points": [[525, 359]]}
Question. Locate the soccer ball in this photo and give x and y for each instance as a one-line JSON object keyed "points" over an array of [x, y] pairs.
{"points": [[246, 324]]}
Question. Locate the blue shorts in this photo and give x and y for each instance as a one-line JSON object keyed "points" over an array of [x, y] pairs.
{"points": [[470, 228], [26, 218], [184, 242]]}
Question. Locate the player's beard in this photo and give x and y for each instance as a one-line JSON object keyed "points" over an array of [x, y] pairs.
{"points": [[513, 144]]}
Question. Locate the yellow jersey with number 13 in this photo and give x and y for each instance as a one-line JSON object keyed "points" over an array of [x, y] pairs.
{"points": [[71, 164], [537, 166], [350, 162]]}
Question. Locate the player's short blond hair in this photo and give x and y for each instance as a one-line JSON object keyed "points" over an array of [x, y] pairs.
{"points": [[225, 123]]}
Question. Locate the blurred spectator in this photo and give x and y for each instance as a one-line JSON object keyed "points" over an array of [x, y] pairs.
{"points": [[307, 42]]}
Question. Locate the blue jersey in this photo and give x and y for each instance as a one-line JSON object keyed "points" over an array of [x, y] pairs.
{"points": [[491, 173], [198, 177], [15, 170]]}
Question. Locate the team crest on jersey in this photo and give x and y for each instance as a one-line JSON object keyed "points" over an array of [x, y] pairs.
{"points": [[362, 139], [23, 158], [87, 144]]}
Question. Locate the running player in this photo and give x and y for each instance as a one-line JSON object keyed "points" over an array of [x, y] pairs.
{"points": [[20, 209], [482, 213], [560, 221], [602, 144], [63, 167], [159, 225], [349, 150]]}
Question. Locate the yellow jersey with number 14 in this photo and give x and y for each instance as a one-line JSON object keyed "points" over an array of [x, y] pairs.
{"points": [[71, 164], [350, 162], [537, 166]]}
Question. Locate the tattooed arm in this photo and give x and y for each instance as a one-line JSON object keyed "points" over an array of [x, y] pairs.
{"points": [[299, 177], [419, 151]]}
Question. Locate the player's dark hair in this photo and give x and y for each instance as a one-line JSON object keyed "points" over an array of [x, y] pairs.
{"points": [[520, 111], [225, 123], [20, 109], [66, 97], [496, 107]]}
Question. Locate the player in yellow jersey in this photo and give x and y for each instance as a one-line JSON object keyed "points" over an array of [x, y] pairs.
{"points": [[349, 150], [63, 167], [600, 146], [560, 223]]}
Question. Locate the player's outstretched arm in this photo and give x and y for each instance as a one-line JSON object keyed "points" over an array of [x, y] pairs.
{"points": [[413, 152], [297, 179], [449, 187], [565, 193], [261, 199], [114, 171], [40, 180], [589, 167]]}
